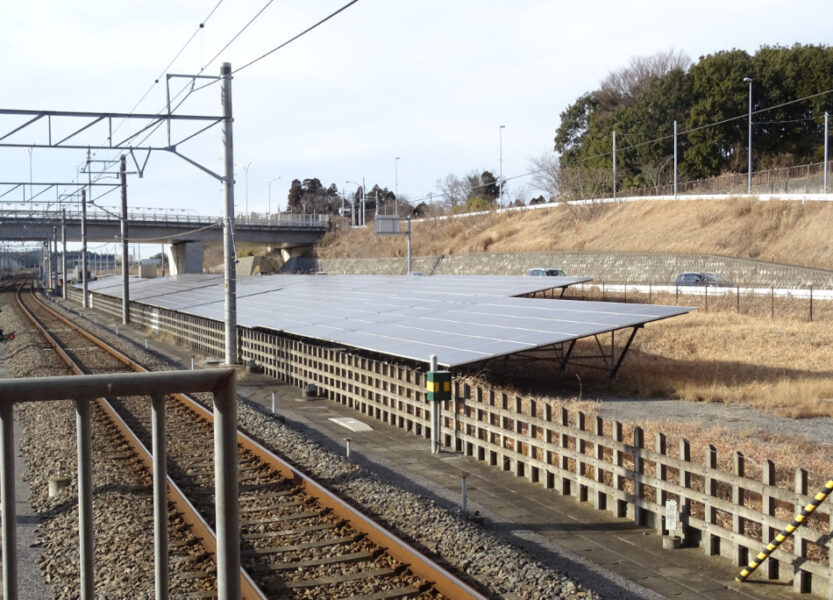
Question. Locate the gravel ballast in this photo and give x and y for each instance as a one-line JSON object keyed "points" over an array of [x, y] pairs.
{"points": [[485, 560]]}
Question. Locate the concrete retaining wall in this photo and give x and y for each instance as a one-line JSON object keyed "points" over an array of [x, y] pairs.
{"points": [[601, 266]]}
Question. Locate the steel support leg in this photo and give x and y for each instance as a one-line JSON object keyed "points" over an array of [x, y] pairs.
{"points": [[7, 496], [226, 509], [85, 497], [624, 351], [160, 498]]}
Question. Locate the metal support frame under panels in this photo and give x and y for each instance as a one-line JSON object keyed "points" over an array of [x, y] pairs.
{"points": [[543, 293], [612, 361]]}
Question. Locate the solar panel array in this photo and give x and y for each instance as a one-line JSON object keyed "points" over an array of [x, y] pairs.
{"points": [[461, 319]]}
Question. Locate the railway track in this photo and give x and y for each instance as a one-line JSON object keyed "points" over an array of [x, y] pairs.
{"points": [[298, 540]]}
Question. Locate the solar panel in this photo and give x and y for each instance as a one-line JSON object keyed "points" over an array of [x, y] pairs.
{"points": [[461, 319]]}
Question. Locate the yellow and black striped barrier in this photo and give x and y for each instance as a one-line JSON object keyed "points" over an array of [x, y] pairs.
{"points": [[779, 539]]}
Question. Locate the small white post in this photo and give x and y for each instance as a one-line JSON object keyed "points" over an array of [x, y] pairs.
{"points": [[274, 408], [347, 447], [192, 363], [146, 343]]}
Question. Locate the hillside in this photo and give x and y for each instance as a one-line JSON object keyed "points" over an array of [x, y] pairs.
{"points": [[784, 232]]}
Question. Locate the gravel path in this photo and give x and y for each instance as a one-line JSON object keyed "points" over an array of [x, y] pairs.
{"points": [[711, 414]]}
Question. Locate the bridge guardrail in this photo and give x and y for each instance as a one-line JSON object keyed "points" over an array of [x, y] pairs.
{"points": [[313, 221]]}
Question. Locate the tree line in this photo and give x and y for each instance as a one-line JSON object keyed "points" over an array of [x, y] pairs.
{"points": [[709, 100], [791, 89]]}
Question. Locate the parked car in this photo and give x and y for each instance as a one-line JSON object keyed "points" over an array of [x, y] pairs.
{"points": [[715, 280], [546, 272], [701, 279]]}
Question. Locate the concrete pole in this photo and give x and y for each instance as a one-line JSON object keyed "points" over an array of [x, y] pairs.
{"points": [[125, 261], [675, 159], [64, 252], [826, 139], [84, 248], [409, 244], [54, 263], [749, 140], [228, 221], [614, 165], [47, 256]]}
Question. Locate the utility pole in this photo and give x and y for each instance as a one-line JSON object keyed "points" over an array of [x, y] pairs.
{"points": [[614, 165], [53, 262], [500, 184], [675, 159], [228, 220], [84, 247], [64, 253], [125, 270]]}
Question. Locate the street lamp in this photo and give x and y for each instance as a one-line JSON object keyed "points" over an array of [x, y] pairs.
{"points": [[500, 184], [246, 169], [355, 221], [749, 138], [396, 188], [269, 188]]}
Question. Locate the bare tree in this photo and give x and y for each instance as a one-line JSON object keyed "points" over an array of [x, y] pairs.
{"points": [[626, 84], [545, 174], [455, 190]]}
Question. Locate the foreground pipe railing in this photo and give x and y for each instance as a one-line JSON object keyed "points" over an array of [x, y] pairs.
{"points": [[84, 388]]}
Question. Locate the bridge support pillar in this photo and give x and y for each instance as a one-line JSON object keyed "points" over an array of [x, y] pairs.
{"points": [[185, 257], [294, 252]]}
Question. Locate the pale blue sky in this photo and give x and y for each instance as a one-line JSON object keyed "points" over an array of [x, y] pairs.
{"points": [[429, 81]]}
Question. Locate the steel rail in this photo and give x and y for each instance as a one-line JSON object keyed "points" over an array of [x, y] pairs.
{"points": [[199, 527], [444, 582]]}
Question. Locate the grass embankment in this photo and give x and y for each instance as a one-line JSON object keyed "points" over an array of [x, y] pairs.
{"points": [[781, 232]]}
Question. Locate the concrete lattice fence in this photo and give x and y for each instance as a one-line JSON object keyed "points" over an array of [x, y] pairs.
{"points": [[723, 510]]}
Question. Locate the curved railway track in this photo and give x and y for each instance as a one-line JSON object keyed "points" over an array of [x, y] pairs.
{"points": [[298, 540]]}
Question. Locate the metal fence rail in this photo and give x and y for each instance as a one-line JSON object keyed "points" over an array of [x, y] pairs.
{"points": [[726, 513], [83, 389]]}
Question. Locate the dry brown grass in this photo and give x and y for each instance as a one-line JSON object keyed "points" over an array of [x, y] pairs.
{"points": [[784, 366], [784, 232]]}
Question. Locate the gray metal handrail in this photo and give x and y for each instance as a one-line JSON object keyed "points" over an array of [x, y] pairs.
{"points": [[83, 388], [151, 215]]}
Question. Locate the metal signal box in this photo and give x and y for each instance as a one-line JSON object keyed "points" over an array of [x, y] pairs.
{"points": [[438, 386]]}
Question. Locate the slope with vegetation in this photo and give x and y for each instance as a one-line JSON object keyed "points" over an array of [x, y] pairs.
{"points": [[782, 232]]}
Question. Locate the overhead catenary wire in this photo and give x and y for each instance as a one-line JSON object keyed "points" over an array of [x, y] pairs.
{"points": [[194, 88]]}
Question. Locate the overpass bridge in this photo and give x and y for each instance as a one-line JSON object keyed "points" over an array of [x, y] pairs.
{"points": [[185, 232]]}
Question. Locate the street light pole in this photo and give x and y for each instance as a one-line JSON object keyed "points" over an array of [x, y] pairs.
{"points": [[269, 194], [749, 138], [246, 169], [500, 184], [396, 188], [359, 222]]}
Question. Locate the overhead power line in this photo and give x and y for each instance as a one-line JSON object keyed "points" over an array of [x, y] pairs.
{"points": [[303, 33]]}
